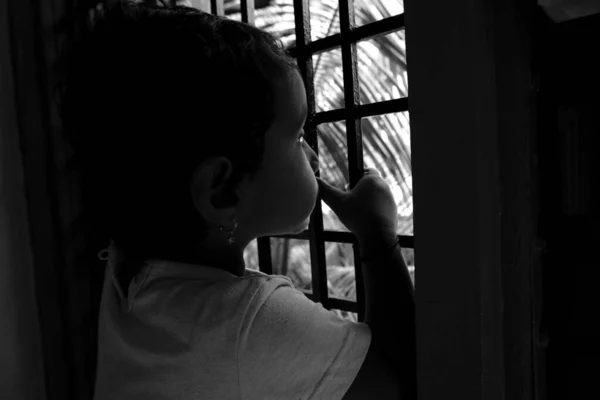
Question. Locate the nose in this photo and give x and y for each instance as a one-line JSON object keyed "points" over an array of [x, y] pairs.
{"points": [[313, 159]]}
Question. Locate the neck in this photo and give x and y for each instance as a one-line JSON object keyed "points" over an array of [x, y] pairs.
{"points": [[230, 259], [216, 252]]}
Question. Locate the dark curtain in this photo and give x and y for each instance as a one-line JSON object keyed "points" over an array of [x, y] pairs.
{"points": [[68, 273]]}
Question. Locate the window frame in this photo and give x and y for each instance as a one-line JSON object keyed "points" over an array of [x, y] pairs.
{"points": [[473, 108]]}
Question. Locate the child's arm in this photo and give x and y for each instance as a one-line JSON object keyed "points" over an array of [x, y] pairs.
{"points": [[390, 307], [369, 211]]}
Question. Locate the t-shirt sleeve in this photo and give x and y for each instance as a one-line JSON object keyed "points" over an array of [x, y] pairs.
{"points": [[293, 348]]}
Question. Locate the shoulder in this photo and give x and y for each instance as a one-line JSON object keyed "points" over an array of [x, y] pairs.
{"points": [[290, 347], [260, 287]]}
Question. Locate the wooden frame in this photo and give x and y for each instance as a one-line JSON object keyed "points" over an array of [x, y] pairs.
{"points": [[473, 108]]}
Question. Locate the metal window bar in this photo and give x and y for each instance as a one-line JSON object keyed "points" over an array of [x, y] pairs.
{"points": [[217, 7], [355, 35], [353, 124], [248, 11], [363, 111], [345, 237], [304, 60]]}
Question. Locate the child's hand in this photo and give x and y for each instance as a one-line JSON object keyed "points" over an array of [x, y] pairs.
{"points": [[366, 210]]}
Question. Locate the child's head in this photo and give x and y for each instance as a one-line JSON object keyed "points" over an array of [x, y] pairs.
{"points": [[183, 121]]}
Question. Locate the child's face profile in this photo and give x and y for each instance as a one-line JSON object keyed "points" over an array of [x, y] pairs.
{"points": [[281, 197], [284, 192]]}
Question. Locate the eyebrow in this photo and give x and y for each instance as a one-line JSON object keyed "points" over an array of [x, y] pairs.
{"points": [[305, 116]]}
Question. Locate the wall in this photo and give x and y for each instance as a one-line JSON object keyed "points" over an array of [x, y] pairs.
{"points": [[21, 365], [473, 113], [569, 127]]}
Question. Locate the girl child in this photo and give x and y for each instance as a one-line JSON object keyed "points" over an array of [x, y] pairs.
{"points": [[189, 131]]}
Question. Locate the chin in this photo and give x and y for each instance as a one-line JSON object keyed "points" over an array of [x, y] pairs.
{"points": [[303, 226], [297, 228], [290, 230]]}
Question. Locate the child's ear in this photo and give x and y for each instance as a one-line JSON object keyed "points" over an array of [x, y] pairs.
{"points": [[213, 198]]}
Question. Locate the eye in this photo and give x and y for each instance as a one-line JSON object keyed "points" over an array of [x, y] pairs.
{"points": [[301, 139]]}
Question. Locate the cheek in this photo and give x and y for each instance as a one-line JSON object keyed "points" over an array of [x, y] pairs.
{"points": [[285, 194], [305, 190], [291, 195]]}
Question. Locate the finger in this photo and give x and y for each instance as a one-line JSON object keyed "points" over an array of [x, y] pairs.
{"points": [[331, 195]]}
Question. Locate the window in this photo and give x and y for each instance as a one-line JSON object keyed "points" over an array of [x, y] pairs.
{"points": [[352, 56]]}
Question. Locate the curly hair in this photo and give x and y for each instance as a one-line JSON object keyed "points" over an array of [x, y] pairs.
{"points": [[147, 95]]}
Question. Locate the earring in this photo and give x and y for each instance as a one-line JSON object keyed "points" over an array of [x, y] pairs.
{"points": [[230, 232]]}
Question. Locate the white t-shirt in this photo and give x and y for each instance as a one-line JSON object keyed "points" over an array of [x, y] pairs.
{"points": [[192, 332]]}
